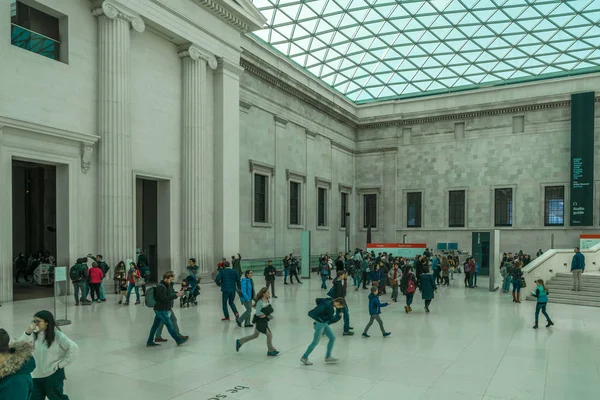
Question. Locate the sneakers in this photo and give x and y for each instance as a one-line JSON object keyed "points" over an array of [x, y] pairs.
{"points": [[238, 322], [86, 303], [225, 319], [183, 340], [387, 334], [120, 302], [238, 344], [331, 360], [126, 303], [152, 344], [427, 309], [365, 335], [137, 302], [406, 309], [275, 297], [272, 353], [305, 361], [158, 339], [549, 324], [409, 309], [535, 326], [351, 328], [103, 300], [99, 301], [77, 303], [249, 326], [348, 333]]}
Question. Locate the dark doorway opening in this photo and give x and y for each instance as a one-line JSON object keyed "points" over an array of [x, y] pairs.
{"points": [[147, 223], [34, 229]]}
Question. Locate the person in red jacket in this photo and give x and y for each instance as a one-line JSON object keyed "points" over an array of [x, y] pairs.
{"points": [[95, 276]]}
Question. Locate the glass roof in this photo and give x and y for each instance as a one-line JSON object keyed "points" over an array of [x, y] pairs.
{"points": [[380, 49]]}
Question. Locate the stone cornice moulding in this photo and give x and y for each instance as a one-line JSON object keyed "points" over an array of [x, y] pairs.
{"points": [[115, 10], [245, 106], [382, 150], [345, 188], [341, 147], [252, 21], [257, 165], [282, 122], [253, 65], [196, 52], [291, 174], [368, 189], [322, 182], [81, 138], [226, 65], [311, 133]]}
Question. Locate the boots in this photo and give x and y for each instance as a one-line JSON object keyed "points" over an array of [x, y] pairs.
{"points": [[514, 297], [518, 297], [549, 324]]}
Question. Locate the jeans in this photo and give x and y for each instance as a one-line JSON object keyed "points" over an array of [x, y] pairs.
{"points": [[95, 290], [256, 334], [102, 291], [516, 286], [320, 328], [245, 317], [286, 272], [175, 326], [294, 273], [452, 274], [271, 286], [541, 307], [323, 281], [356, 279], [50, 387], [475, 279], [379, 321], [346, 318], [409, 298], [467, 278], [395, 292], [79, 286], [228, 297], [577, 279], [506, 286], [165, 318], [130, 287]]}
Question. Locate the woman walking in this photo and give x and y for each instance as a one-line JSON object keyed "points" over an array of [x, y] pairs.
{"points": [[246, 298], [261, 320], [133, 275], [16, 366], [516, 274], [541, 293], [408, 286], [428, 287], [445, 267], [95, 277], [53, 352]]}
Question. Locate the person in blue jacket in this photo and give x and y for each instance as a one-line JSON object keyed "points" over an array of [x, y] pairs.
{"points": [[374, 310], [246, 298], [16, 365], [577, 268], [324, 314], [229, 280]]}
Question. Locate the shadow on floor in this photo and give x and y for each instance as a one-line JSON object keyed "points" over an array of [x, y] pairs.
{"points": [[27, 291]]}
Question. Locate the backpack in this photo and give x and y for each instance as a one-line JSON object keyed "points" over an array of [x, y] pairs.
{"points": [[104, 267], [75, 273], [150, 300], [313, 313], [410, 286]]}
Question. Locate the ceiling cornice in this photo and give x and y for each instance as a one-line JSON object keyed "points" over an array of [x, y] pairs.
{"points": [[243, 16]]}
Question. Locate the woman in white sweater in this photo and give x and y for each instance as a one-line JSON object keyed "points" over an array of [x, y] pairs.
{"points": [[53, 351]]}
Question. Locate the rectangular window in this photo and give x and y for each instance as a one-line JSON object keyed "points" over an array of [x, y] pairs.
{"points": [[456, 208], [554, 205], [503, 207], [370, 210], [413, 210], [295, 216], [260, 198], [322, 207], [344, 208], [35, 31]]}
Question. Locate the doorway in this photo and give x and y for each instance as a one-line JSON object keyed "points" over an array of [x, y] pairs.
{"points": [[34, 241]]}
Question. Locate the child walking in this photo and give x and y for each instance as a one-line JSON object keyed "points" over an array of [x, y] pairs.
{"points": [[122, 289], [541, 293], [408, 286], [261, 320], [374, 310]]}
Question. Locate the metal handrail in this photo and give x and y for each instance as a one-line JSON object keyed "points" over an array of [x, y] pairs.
{"points": [[36, 33]]}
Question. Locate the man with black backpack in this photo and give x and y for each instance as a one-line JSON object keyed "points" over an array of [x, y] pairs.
{"points": [[79, 276], [164, 295], [105, 268], [324, 315]]}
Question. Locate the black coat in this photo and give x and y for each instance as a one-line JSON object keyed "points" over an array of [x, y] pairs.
{"points": [[164, 294]]}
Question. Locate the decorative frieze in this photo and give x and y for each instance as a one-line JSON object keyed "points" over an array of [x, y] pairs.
{"points": [[322, 182]]}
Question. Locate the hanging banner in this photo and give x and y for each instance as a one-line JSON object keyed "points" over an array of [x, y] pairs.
{"points": [[582, 159]]}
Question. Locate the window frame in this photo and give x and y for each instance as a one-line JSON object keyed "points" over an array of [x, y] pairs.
{"points": [[512, 208], [298, 178], [325, 185], [544, 188], [419, 211], [370, 191], [267, 170], [449, 207], [344, 190]]}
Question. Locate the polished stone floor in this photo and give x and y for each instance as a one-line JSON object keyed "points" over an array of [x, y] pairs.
{"points": [[473, 345]]}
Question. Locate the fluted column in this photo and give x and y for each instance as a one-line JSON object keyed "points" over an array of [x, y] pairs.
{"points": [[227, 159], [194, 133], [115, 191]]}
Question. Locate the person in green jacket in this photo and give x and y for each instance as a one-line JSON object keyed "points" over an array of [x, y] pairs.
{"points": [[427, 287], [16, 365]]}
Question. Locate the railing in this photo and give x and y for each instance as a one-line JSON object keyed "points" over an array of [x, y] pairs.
{"points": [[557, 261], [34, 42], [258, 265]]}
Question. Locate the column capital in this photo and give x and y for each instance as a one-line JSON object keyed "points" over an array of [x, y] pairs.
{"points": [[195, 52], [226, 65], [115, 10]]}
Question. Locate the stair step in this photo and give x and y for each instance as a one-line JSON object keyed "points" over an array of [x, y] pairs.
{"points": [[583, 276], [584, 293], [574, 302]]}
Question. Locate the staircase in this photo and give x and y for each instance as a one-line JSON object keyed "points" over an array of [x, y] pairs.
{"points": [[560, 290]]}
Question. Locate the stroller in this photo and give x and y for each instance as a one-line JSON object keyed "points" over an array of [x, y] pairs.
{"points": [[191, 286]]}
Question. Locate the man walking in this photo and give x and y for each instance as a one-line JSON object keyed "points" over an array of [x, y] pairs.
{"points": [[229, 280], [79, 276], [324, 314], [246, 296], [270, 273], [338, 291], [577, 268], [163, 309], [170, 293]]}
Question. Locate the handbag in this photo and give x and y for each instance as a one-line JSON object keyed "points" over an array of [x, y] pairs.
{"points": [[522, 283], [139, 282]]}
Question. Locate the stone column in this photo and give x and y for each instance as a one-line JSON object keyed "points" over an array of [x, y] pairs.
{"points": [[227, 159], [194, 225], [115, 189]]}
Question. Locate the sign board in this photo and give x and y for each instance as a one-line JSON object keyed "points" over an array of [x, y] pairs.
{"points": [[582, 159], [587, 241], [407, 250], [60, 274]]}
